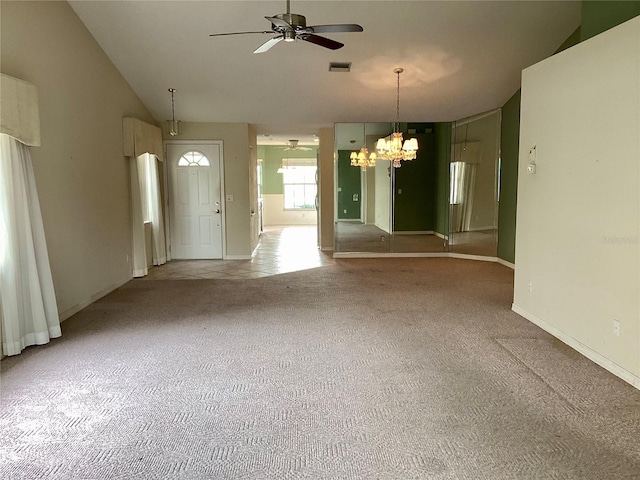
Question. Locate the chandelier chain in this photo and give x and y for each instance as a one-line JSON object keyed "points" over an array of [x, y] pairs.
{"points": [[398, 103]]}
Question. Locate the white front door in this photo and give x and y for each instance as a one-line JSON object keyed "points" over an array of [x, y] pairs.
{"points": [[195, 200]]}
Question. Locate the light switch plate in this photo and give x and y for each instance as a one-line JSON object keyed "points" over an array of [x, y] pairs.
{"points": [[229, 198]]}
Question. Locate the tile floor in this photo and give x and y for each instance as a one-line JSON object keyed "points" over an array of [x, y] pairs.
{"points": [[281, 249]]}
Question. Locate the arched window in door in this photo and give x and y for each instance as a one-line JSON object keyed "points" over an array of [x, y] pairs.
{"points": [[194, 159]]}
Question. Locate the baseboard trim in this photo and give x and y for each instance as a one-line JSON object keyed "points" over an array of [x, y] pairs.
{"points": [[463, 256], [326, 249], [414, 232], [480, 258], [389, 255], [238, 257], [512, 266], [581, 348], [441, 235], [93, 298]]}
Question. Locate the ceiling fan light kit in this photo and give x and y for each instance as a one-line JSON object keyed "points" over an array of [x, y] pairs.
{"points": [[292, 26], [293, 145]]}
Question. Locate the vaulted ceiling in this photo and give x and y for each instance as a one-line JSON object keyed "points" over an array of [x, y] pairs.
{"points": [[460, 58]]}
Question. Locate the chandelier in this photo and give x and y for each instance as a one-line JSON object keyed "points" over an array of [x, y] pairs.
{"points": [[363, 158], [394, 148], [173, 125]]}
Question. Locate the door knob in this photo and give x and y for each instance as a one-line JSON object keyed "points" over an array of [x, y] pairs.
{"points": [[217, 210]]}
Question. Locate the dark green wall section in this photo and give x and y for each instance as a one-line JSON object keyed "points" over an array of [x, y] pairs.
{"points": [[598, 16], [443, 158], [415, 207], [509, 148], [272, 157], [349, 184], [573, 39]]}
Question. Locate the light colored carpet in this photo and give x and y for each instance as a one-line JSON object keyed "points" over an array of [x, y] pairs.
{"points": [[385, 368]]}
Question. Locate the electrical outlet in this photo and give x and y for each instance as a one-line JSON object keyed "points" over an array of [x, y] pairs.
{"points": [[530, 286], [616, 328]]}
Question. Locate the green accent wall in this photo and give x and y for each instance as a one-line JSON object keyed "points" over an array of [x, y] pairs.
{"points": [[598, 16], [272, 157], [509, 148], [415, 207], [443, 157], [572, 40], [349, 184]]}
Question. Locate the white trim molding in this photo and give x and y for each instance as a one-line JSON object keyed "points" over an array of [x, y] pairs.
{"points": [[592, 355], [501, 261]]}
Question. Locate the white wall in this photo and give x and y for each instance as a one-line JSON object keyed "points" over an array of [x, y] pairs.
{"points": [[81, 174], [383, 196], [578, 217]]}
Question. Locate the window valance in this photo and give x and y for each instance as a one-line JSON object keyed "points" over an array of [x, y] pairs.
{"points": [[20, 117], [141, 137]]}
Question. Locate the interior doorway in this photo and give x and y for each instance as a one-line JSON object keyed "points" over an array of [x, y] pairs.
{"points": [[288, 184]]}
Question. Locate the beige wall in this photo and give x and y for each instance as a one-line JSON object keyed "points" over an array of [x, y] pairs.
{"points": [[239, 161], [325, 185], [275, 213], [578, 217], [81, 174], [253, 188]]}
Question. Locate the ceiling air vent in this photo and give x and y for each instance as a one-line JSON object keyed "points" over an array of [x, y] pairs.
{"points": [[340, 67]]}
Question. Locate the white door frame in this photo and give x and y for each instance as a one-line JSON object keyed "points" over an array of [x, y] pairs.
{"points": [[167, 223]]}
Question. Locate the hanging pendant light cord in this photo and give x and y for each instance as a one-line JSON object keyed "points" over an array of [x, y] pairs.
{"points": [[173, 108], [398, 72]]}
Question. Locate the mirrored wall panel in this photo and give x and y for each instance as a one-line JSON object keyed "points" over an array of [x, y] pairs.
{"points": [[445, 200], [473, 192], [385, 209]]}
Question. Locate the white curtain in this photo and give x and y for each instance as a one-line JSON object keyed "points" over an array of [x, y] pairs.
{"points": [[149, 178], [137, 222], [147, 207], [28, 308]]}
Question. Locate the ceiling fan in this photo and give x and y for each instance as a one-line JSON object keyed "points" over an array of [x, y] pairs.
{"points": [[293, 145], [291, 26]]}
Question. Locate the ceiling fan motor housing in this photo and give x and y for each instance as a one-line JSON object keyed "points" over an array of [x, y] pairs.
{"points": [[298, 22]]}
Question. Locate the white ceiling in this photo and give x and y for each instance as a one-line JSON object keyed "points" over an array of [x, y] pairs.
{"points": [[460, 58]]}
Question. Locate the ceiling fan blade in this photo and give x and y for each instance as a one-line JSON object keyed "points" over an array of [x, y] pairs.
{"points": [[278, 22], [322, 41], [268, 44], [345, 27], [237, 33]]}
